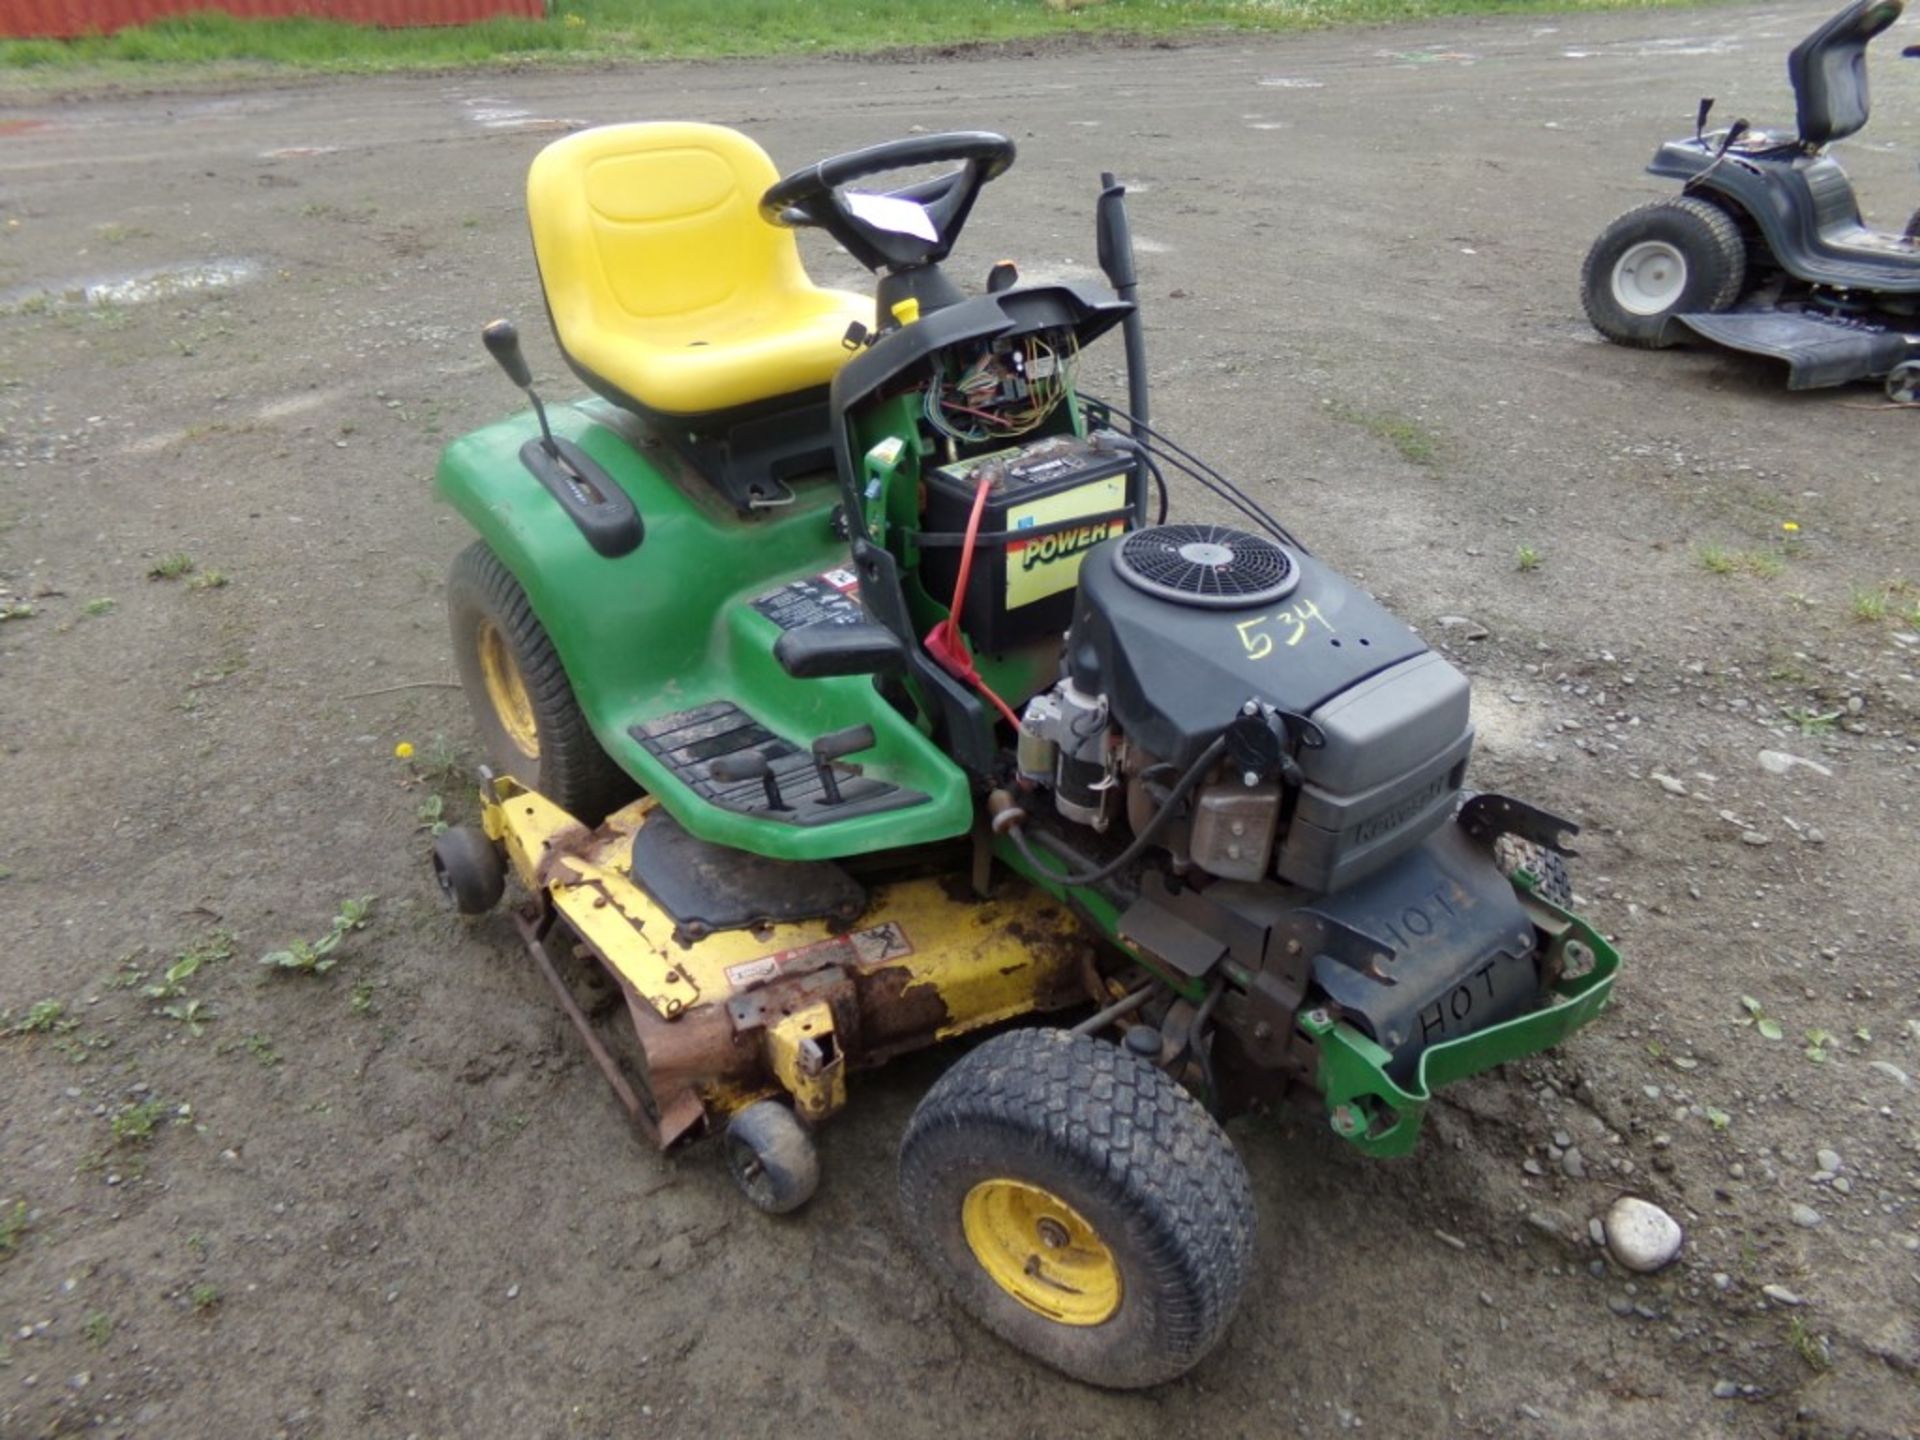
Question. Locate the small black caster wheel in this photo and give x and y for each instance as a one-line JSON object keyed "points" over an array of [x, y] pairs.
{"points": [[467, 866], [772, 1158], [1903, 384]]}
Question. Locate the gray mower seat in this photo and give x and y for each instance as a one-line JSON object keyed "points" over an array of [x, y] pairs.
{"points": [[1828, 71]]}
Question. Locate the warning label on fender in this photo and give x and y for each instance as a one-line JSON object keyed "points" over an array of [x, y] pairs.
{"points": [[830, 598]]}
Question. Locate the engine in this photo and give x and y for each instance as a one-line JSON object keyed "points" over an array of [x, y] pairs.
{"points": [[1328, 738]]}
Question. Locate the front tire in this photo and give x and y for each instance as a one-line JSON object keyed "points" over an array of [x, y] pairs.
{"points": [[1081, 1206], [1673, 257], [530, 725]]}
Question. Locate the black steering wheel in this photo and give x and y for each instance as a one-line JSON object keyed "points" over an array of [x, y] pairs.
{"points": [[817, 196]]}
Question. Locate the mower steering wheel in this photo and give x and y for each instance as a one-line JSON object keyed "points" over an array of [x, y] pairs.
{"points": [[817, 196]]}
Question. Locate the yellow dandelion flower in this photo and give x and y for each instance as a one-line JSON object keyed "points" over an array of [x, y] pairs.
{"points": [[403, 751]]}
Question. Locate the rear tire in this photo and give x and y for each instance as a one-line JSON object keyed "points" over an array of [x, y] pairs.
{"points": [[1080, 1205], [530, 725], [1673, 257]]}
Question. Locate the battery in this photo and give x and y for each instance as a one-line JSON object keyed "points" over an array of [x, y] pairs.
{"points": [[1052, 500]]}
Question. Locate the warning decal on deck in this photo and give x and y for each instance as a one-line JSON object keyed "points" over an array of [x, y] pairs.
{"points": [[875, 945]]}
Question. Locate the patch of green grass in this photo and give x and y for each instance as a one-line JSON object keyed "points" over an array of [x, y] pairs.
{"points": [[102, 606], [261, 1048], [1417, 443], [1719, 560], [209, 580], [135, 1124], [1527, 558], [17, 610], [14, 1225], [204, 1297], [98, 1327], [1868, 606], [1716, 559], [581, 30], [1808, 1346], [172, 567], [1814, 723]]}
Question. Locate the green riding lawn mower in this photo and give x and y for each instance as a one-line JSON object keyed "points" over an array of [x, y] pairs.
{"points": [[847, 689]]}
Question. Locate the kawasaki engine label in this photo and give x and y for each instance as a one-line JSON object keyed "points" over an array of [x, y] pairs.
{"points": [[1048, 564]]}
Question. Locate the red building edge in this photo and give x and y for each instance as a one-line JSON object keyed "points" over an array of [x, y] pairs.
{"points": [[63, 19]]}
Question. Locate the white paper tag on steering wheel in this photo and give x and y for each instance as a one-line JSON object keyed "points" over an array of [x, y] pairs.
{"points": [[890, 212]]}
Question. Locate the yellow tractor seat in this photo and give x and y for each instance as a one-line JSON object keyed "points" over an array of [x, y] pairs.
{"points": [[668, 292]]}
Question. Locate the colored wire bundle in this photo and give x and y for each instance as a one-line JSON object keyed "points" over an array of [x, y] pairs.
{"points": [[1001, 394]]}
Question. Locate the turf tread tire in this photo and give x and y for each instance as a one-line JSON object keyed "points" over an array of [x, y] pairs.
{"points": [[1549, 867], [1122, 1143], [572, 770], [1716, 255]]}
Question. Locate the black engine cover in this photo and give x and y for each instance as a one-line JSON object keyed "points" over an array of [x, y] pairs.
{"points": [[1177, 674]]}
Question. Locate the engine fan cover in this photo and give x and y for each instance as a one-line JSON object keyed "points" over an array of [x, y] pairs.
{"points": [[1210, 567]]}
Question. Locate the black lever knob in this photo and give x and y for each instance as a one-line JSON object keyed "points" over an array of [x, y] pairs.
{"points": [[503, 343], [829, 748], [849, 741], [749, 765]]}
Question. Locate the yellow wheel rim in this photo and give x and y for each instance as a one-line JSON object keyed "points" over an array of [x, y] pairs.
{"points": [[1041, 1251], [506, 691]]}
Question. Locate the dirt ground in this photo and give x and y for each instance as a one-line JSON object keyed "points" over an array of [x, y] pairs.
{"points": [[396, 1199]]}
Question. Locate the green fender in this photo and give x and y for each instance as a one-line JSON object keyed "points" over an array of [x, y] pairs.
{"points": [[670, 625]]}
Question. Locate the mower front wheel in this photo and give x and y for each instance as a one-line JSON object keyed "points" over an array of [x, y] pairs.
{"points": [[467, 867], [1081, 1205], [772, 1157], [1903, 383], [1673, 257], [531, 725]]}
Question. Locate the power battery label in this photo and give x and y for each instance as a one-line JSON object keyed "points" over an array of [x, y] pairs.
{"points": [[1050, 563], [829, 598]]}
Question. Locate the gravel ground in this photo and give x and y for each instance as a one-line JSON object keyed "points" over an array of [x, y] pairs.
{"points": [[395, 1199]]}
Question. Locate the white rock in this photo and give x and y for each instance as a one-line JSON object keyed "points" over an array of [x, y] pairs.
{"points": [[1780, 1295], [1829, 1160], [1642, 1236], [1779, 762], [1891, 1071], [1669, 783]]}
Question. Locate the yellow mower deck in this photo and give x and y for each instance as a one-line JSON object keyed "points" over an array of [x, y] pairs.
{"points": [[740, 1015]]}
